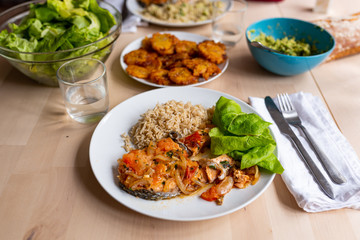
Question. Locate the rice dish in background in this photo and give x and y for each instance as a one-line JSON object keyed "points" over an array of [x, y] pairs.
{"points": [[181, 11]]}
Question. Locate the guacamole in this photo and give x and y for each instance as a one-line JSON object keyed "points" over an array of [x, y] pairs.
{"points": [[289, 46]]}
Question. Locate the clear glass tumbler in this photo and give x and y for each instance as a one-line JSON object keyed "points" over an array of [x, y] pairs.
{"points": [[84, 87], [228, 21]]}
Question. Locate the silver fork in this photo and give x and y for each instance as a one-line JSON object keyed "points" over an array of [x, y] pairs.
{"points": [[292, 117]]}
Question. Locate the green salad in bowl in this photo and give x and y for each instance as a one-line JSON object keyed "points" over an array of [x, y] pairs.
{"points": [[37, 37]]}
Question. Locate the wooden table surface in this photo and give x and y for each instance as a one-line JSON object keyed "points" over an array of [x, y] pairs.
{"points": [[47, 187]]}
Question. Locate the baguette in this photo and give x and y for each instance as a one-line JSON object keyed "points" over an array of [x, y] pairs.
{"points": [[346, 31]]}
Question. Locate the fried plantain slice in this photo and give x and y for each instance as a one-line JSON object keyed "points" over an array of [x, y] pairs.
{"points": [[163, 43], [143, 58], [212, 51], [201, 67], [153, 64], [188, 47], [182, 76], [146, 44], [174, 60], [138, 57], [138, 71], [166, 60], [160, 76]]}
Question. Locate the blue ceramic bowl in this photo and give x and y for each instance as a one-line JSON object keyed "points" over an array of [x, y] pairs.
{"points": [[281, 27]]}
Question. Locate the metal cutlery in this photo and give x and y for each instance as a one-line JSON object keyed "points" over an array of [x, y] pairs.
{"points": [[291, 116], [262, 46], [285, 129]]}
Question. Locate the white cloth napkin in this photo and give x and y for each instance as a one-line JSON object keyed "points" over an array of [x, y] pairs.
{"points": [[131, 22], [319, 123]]}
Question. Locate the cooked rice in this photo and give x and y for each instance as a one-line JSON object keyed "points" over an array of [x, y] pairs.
{"points": [[156, 123]]}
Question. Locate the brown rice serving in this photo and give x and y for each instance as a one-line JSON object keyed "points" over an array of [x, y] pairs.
{"points": [[156, 123]]}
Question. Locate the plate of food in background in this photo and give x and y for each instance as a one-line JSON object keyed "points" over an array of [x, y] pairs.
{"points": [[176, 13], [172, 59], [140, 162]]}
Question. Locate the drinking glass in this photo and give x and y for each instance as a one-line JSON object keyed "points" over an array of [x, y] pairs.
{"points": [[228, 26], [84, 88]]}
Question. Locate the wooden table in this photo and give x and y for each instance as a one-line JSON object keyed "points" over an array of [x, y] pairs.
{"points": [[48, 190]]}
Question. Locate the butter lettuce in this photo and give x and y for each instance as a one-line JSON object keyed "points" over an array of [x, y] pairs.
{"points": [[106, 19], [244, 137], [256, 155], [45, 14], [229, 118], [225, 144], [272, 163]]}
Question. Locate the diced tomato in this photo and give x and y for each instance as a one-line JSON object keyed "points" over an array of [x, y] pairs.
{"points": [[166, 145], [190, 172], [219, 190], [196, 141], [211, 194], [193, 140], [135, 160]]}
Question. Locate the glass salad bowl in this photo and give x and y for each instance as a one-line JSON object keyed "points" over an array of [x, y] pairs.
{"points": [[41, 66]]}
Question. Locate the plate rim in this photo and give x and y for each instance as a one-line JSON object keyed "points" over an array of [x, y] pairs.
{"points": [[135, 12], [137, 41], [184, 219]]}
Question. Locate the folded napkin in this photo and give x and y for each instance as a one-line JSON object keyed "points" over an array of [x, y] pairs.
{"points": [[131, 22], [319, 123]]}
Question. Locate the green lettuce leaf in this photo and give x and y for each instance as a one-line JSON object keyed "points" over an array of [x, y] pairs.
{"points": [[3, 35], [107, 20], [272, 164], [229, 118], [247, 124], [63, 8], [17, 43], [226, 144], [45, 14], [256, 155], [225, 111], [82, 4], [237, 155], [216, 132], [244, 137]]}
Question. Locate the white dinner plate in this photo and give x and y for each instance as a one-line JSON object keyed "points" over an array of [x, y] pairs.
{"points": [[135, 8], [106, 148], [182, 36]]}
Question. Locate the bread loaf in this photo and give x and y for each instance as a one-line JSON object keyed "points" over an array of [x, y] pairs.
{"points": [[346, 32]]}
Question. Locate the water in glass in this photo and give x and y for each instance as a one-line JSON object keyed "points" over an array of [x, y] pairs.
{"points": [[86, 104], [229, 34], [228, 21], [84, 86]]}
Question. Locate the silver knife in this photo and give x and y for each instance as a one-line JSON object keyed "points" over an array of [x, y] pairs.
{"points": [[286, 130]]}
